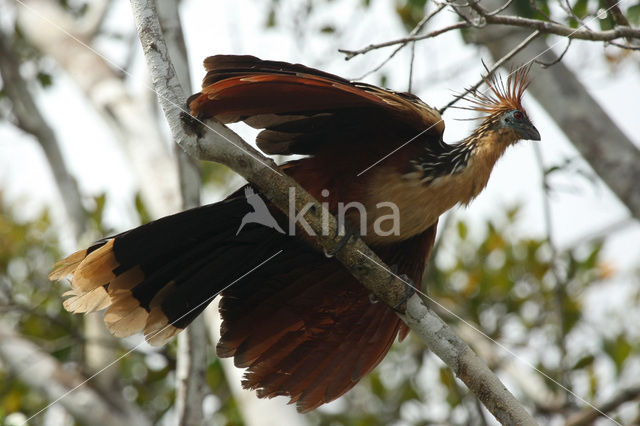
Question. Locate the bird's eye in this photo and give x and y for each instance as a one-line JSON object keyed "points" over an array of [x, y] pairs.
{"points": [[518, 115]]}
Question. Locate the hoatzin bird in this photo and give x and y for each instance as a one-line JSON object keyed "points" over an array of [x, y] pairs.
{"points": [[300, 324]]}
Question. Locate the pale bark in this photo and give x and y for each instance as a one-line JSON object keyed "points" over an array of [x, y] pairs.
{"points": [[220, 144], [191, 365]]}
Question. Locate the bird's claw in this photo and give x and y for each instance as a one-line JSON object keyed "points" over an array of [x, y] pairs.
{"points": [[350, 233], [409, 290]]}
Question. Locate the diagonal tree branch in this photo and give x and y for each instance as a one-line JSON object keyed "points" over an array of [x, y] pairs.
{"points": [[220, 144]]}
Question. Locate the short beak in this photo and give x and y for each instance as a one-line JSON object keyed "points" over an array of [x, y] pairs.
{"points": [[530, 133]]}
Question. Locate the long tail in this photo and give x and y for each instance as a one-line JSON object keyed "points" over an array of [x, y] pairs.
{"points": [[160, 276], [299, 322]]}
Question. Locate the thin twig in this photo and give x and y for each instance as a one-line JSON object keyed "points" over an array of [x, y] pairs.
{"points": [[562, 30], [558, 59], [491, 70], [413, 57], [535, 7], [493, 17], [546, 27], [353, 53], [501, 8], [616, 165], [623, 46], [566, 6], [588, 416], [413, 32]]}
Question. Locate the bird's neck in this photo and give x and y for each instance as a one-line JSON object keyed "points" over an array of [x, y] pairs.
{"points": [[441, 159], [441, 176], [465, 165]]}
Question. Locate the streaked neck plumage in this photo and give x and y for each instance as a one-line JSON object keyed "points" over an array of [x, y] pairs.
{"points": [[470, 161]]}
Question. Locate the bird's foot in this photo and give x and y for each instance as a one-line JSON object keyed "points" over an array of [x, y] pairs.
{"points": [[409, 289], [350, 233]]}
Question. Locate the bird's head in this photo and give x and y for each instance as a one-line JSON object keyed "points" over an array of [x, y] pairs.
{"points": [[516, 121], [501, 107]]}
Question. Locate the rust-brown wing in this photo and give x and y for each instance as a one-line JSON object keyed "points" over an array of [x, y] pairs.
{"points": [[306, 329], [303, 109]]}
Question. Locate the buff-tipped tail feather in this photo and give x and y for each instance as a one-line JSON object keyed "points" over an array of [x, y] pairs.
{"points": [[95, 286]]}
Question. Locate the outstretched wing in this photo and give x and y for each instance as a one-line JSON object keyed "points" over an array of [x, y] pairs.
{"points": [[303, 109], [305, 328]]}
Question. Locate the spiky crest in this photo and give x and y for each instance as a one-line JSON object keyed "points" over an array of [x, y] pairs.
{"points": [[502, 97]]}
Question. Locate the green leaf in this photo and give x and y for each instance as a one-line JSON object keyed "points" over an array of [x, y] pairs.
{"points": [[410, 11], [606, 23], [462, 230], [328, 29], [271, 19], [583, 362], [383, 80], [633, 14], [618, 350], [143, 213], [580, 8], [525, 9], [592, 260], [96, 214], [44, 79]]}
